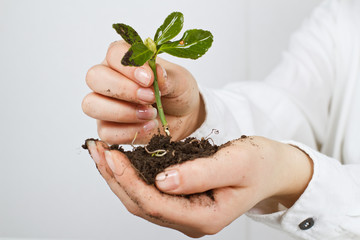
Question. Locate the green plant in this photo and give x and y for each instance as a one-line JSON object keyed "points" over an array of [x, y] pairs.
{"points": [[193, 44]]}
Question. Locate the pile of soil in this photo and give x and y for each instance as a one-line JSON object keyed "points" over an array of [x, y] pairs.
{"points": [[149, 165]]}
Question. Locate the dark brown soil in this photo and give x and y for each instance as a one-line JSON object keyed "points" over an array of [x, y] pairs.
{"points": [[148, 164]]}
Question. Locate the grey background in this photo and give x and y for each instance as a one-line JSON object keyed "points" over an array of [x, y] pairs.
{"points": [[49, 187]]}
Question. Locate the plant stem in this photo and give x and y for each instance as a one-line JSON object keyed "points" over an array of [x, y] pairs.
{"points": [[152, 64]]}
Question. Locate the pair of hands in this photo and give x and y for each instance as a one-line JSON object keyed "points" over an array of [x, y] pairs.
{"points": [[246, 172]]}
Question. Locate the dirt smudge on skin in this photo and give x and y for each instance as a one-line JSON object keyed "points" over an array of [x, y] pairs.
{"points": [[249, 139]]}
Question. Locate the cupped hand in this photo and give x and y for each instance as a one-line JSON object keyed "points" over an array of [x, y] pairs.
{"points": [[122, 99], [241, 174]]}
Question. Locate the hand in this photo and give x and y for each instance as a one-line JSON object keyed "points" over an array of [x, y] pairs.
{"points": [[122, 99], [242, 174]]}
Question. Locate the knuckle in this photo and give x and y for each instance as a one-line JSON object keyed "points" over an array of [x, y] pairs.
{"points": [[85, 104], [134, 210], [209, 229], [116, 50], [91, 75], [103, 133], [107, 134], [194, 234], [114, 43], [215, 223]]}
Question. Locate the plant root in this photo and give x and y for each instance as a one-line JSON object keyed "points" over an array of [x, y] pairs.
{"points": [[133, 141], [157, 153], [213, 131]]}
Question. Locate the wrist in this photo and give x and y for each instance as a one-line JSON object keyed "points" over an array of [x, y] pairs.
{"points": [[298, 169]]}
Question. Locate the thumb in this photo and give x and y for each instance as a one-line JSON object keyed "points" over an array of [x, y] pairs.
{"points": [[174, 80], [224, 169], [179, 90]]}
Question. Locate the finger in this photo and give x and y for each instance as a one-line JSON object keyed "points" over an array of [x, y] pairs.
{"points": [[97, 151], [99, 160], [100, 152], [141, 75], [172, 78], [174, 82], [224, 169], [121, 133], [195, 216], [178, 88], [108, 109], [107, 82], [160, 208]]}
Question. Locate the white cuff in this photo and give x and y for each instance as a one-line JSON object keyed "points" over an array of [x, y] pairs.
{"points": [[328, 209]]}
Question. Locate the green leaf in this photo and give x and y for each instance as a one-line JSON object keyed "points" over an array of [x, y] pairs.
{"points": [[127, 33], [193, 44], [170, 28], [150, 44], [137, 55]]}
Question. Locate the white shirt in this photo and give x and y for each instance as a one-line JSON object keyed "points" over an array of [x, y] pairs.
{"points": [[313, 99]]}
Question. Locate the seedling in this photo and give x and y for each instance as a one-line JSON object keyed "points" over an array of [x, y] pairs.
{"points": [[156, 153], [193, 44], [214, 131]]}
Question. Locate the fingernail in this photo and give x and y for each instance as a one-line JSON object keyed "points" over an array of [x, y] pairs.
{"points": [[150, 125], [93, 151], [164, 72], [168, 180], [146, 113], [109, 160], [142, 76], [146, 95]]}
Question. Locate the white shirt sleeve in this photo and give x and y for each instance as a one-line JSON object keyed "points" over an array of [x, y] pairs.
{"points": [[293, 103], [329, 208]]}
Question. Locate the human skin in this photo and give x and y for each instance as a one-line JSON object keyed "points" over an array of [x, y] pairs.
{"points": [[241, 175], [122, 97], [246, 172]]}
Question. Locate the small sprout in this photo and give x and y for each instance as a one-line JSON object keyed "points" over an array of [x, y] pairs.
{"points": [[133, 141], [157, 153], [150, 44], [197, 43], [166, 130], [213, 131]]}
